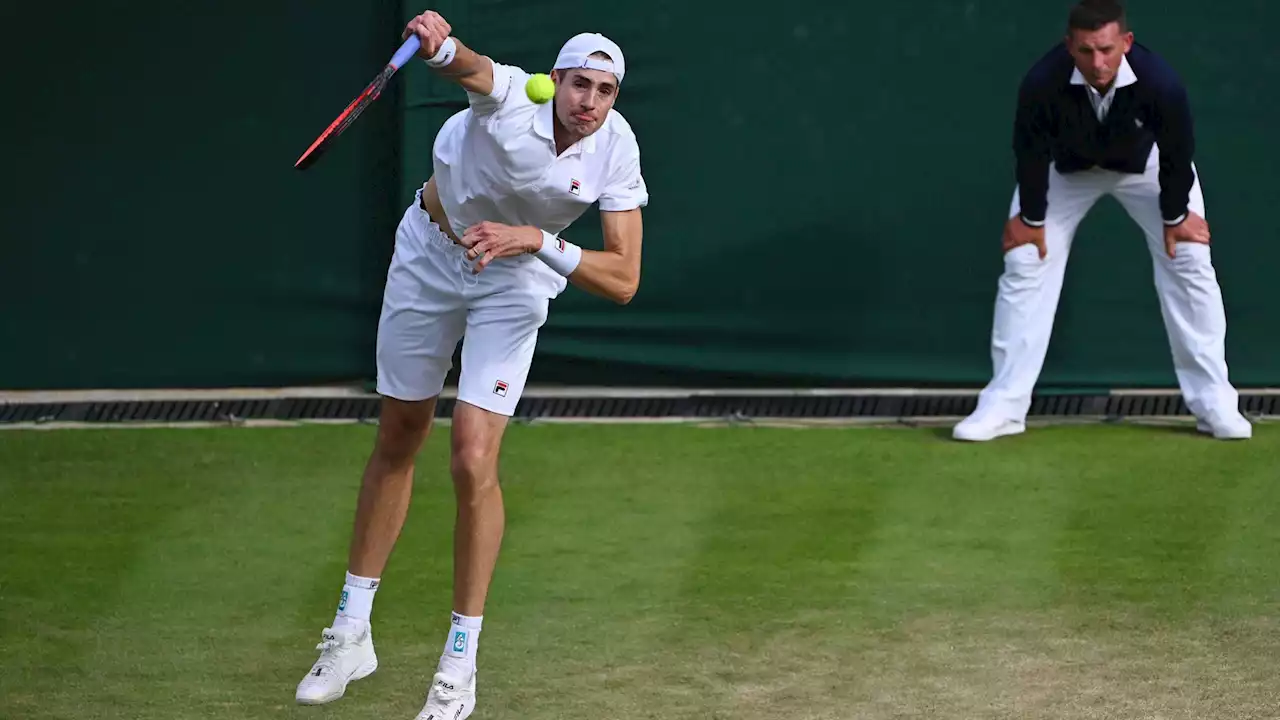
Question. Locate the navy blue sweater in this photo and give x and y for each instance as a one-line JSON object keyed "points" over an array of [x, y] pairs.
{"points": [[1056, 122]]}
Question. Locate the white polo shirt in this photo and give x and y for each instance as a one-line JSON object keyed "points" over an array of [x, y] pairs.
{"points": [[497, 161]]}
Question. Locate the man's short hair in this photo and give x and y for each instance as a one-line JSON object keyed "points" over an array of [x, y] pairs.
{"points": [[1090, 15]]}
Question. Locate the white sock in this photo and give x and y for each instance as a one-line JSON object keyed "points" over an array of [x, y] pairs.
{"points": [[459, 658], [356, 604]]}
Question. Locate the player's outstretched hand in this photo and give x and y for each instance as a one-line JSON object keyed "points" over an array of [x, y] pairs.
{"points": [[489, 241], [1018, 233], [432, 31], [1193, 229]]}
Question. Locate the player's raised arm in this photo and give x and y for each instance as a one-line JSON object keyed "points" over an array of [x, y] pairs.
{"points": [[448, 56]]}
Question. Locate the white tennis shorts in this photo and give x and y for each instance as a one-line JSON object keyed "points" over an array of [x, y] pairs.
{"points": [[432, 300]]}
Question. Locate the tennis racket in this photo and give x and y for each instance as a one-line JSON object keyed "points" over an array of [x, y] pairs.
{"points": [[357, 106]]}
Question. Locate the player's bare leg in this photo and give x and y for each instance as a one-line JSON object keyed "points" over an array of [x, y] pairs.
{"points": [[477, 438], [387, 484], [347, 646], [477, 538]]}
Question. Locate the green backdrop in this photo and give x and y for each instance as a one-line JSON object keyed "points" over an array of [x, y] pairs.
{"points": [[820, 177], [155, 232]]}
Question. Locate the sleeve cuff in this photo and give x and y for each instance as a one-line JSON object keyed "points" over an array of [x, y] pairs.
{"points": [[1176, 221], [1031, 223], [623, 204], [502, 82]]}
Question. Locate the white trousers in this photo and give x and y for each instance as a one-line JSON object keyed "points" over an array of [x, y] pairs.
{"points": [[432, 301], [1029, 288]]}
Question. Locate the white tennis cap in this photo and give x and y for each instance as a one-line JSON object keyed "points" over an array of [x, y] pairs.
{"points": [[577, 54]]}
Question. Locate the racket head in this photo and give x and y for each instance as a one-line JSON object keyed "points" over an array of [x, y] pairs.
{"points": [[406, 50], [344, 119]]}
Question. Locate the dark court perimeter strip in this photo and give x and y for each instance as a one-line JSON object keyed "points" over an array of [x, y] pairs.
{"points": [[616, 404]]}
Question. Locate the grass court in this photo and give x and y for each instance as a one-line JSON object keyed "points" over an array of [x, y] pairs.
{"points": [[657, 571]]}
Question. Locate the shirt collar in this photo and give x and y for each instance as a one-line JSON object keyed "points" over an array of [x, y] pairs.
{"points": [[544, 125], [1124, 76]]}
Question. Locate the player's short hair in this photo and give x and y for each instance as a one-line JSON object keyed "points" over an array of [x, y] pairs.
{"points": [[1093, 15]]}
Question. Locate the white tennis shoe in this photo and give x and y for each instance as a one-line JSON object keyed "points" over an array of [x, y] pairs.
{"points": [[1230, 425], [981, 427], [346, 654], [449, 699]]}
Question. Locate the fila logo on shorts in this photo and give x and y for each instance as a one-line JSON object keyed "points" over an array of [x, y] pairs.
{"points": [[575, 187], [500, 388]]}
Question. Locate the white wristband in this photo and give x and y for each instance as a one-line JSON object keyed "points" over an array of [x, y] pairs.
{"points": [[559, 254], [445, 55]]}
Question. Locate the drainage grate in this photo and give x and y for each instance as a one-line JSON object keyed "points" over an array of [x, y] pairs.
{"points": [[329, 409], [1147, 406], [695, 406], [30, 413], [1260, 404], [168, 411], [1068, 405]]}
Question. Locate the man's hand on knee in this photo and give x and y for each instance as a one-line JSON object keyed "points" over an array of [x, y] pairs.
{"points": [[1192, 229], [1018, 233]]}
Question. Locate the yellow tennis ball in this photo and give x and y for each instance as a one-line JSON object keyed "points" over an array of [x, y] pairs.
{"points": [[540, 88]]}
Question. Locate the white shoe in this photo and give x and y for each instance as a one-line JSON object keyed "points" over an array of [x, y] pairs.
{"points": [[449, 699], [1226, 426], [983, 427], [346, 654]]}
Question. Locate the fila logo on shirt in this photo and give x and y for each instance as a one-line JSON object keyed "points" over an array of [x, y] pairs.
{"points": [[575, 187], [500, 389]]}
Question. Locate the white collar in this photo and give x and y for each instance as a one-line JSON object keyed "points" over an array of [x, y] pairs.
{"points": [[1124, 77], [544, 125]]}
